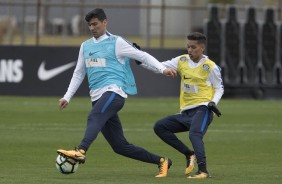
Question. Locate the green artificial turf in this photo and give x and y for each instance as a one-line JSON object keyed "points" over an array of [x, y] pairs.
{"points": [[243, 146]]}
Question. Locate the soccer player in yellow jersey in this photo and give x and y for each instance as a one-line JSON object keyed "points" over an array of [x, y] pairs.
{"points": [[201, 89]]}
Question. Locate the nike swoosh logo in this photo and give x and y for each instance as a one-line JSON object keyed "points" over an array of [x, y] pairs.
{"points": [[186, 77], [91, 53], [45, 75]]}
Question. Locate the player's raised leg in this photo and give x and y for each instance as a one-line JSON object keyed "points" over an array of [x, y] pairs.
{"points": [[113, 133], [166, 129]]}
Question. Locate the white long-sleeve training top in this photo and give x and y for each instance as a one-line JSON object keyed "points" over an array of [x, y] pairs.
{"points": [[123, 49]]}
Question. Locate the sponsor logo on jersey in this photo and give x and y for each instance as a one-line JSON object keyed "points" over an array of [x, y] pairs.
{"points": [[206, 67], [183, 59], [92, 53], [186, 77], [95, 62]]}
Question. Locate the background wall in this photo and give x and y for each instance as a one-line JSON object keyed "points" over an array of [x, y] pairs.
{"points": [[20, 75], [251, 65]]}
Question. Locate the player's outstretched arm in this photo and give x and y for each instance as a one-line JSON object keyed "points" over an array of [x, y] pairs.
{"points": [[167, 72]]}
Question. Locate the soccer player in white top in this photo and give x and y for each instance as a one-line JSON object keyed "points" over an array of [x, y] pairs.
{"points": [[104, 58], [201, 89]]}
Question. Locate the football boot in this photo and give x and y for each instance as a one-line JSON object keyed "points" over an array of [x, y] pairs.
{"points": [[164, 165], [190, 164], [76, 154]]}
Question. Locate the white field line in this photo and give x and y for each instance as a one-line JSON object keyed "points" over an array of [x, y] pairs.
{"points": [[54, 128], [219, 131]]}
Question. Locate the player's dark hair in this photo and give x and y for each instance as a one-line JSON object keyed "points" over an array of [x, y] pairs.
{"points": [[201, 38], [96, 13]]}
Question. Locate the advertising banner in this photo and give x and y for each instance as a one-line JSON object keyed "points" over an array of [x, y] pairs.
{"points": [[44, 71], [47, 71]]}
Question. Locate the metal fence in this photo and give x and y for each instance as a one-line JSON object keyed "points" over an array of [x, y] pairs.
{"points": [[146, 19], [141, 18]]}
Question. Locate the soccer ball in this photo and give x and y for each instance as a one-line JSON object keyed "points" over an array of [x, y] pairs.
{"points": [[66, 165]]}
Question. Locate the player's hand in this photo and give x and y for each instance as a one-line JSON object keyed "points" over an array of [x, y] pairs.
{"points": [[212, 106], [170, 72], [63, 103], [139, 48]]}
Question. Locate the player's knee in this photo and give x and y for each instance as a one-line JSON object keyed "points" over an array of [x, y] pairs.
{"points": [[158, 127], [118, 151], [120, 148], [124, 151]]}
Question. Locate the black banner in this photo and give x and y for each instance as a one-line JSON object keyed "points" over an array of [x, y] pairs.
{"points": [[36, 70], [47, 71]]}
